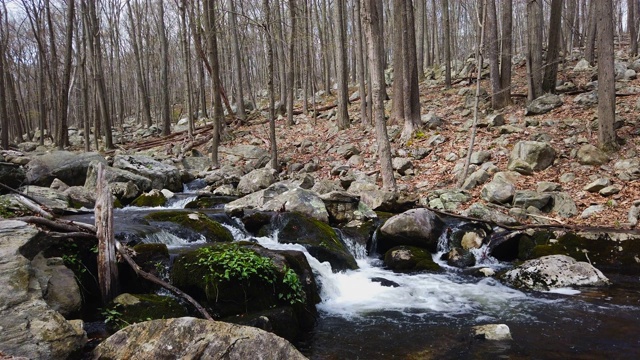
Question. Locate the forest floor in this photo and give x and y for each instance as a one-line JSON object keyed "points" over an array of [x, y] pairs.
{"points": [[308, 141]]}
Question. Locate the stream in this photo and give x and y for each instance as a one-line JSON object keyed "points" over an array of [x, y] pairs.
{"points": [[429, 316]]}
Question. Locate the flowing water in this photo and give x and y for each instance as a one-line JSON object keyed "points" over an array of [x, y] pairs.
{"points": [[373, 313]]}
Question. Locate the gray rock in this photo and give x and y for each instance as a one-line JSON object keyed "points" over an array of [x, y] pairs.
{"points": [[493, 120], [225, 175], [256, 180], [476, 178], [225, 190], [303, 201], [480, 157], [256, 199], [372, 196], [162, 176], [55, 200], [59, 185], [69, 167], [563, 204], [60, 289], [610, 190], [431, 121], [634, 213], [546, 186], [539, 155], [481, 211], [12, 175], [629, 74], [520, 166], [113, 175], [324, 186], [627, 169], [582, 65], [592, 210], [436, 140], [525, 198], [125, 191], [543, 104], [80, 196], [620, 68], [347, 151], [242, 153], [344, 207], [496, 332], [587, 99], [30, 327], [591, 155], [553, 272], [191, 338], [401, 165], [196, 164], [416, 227], [597, 185], [501, 189], [567, 177]]}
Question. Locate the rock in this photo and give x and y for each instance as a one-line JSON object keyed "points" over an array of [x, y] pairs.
{"points": [[460, 258], [525, 198], [582, 65], [372, 196], [344, 207], [634, 213], [115, 175], [137, 308], [12, 175], [410, 259], [476, 178], [520, 166], [69, 167], [546, 186], [59, 185], [242, 153], [320, 240], [431, 121], [543, 104], [191, 338], [629, 74], [256, 180], [125, 191], [191, 225], [153, 198], [597, 185], [501, 189], [347, 151], [55, 200], [80, 196], [497, 332], [610, 190], [620, 68], [627, 169], [416, 227], [587, 99], [448, 200], [567, 178], [162, 176], [60, 289], [481, 211], [480, 157], [196, 164], [226, 175], [256, 199], [539, 155], [30, 327], [493, 120], [591, 210], [591, 155], [324, 186], [553, 272], [303, 201], [436, 140], [563, 205], [401, 165]]}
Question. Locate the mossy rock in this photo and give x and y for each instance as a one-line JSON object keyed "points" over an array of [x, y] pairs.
{"points": [[208, 202], [410, 259], [235, 279], [254, 221], [151, 199], [320, 239], [194, 221], [127, 309]]}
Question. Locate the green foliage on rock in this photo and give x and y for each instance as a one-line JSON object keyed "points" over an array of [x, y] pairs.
{"points": [[154, 199], [195, 221], [127, 309]]}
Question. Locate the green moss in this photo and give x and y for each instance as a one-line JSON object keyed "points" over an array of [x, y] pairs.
{"points": [[129, 309], [195, 221], [156, 249], [418, 259], [207, 202], [150, 200]]}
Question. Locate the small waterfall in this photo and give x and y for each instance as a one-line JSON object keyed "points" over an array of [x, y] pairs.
{"points": [[179, 202], [172, 241], [358, 251]]}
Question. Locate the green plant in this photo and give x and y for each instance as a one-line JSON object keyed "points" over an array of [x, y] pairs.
{"points": [[113, 316], [71, 259], [292, 282]]}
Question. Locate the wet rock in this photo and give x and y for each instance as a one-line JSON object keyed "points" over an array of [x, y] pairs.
{"points": [[460, 258], [591, 155], [554, 271], [30, 327], [501, 189], [162, 176], [115, 175], [194, 338], [409, 259], [191, 225], [539, 155], [69, 167], [543, 104], [416, 227], [497, 332], [256, 180], [299, 200], [153, 198], [136, 308], [385, 282]]}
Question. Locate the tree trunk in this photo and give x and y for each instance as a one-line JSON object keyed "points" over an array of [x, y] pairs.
{"points": [[165, 105], [534, 48], [272, 121], [107, 263], [370, 15], [240, 111], [589, 51], [63, 132], [411, 89], [360, 52], [420, 25], [553, 48], [606, 76], [397, 86], [184, 45], [491, 35], [4, 116], [142, 83], [290, 80], [631, 24], [212, 50], [342, 115], [506, 41], [447, 43]]}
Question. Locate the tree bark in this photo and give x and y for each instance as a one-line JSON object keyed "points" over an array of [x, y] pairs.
{"points": [[342, 115], [370, 15], [606, 77], [631, 24], [447, 43], [272, 95], [107, 263], [63, 132], [506, 41], [553, 48], [364, 118], [589, 51], [184, 44], [290, 79], [165, 105], [491, 35], [142, 83], [534, 48], [240, 111], [212, 50]]}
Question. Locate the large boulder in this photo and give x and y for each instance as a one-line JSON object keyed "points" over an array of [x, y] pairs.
{"points": [[554, 271], [56, 201], [69, 167], [591, 155], [543, 104], [410, 259], [115, 175], [190, 225], [256, 180], [226, 175], [30, 327], [59, 286], [416, 227], [539, 155], [256, 199], [379, 199], [344, 207], [299, 200], [162, 176], [242, 153], [501, 189], [191, 338]]}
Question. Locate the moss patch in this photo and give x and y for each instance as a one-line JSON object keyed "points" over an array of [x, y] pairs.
{"points": [[150, 200], [129, 309], [195, 221], [410, 259]]}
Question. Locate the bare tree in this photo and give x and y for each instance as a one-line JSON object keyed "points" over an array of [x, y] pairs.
{"points": [[4, 122], [606, 76], [212, 52], [272, 121], [447, 43], [553, 48], [342, 114], [184, 45], [371, 10], [632, 26], [235, 43], [589, 51], [534, 48], [290, 79], [165, 106], [360, 64], [142, 84], [506, 41]]}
